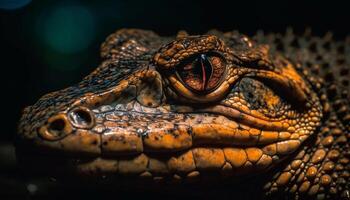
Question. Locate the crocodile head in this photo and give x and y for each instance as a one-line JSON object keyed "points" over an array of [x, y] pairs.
{"points": [[174, 108]]}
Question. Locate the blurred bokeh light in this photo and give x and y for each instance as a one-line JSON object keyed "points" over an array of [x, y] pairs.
{"points": [[64, 30], [67, 28]]}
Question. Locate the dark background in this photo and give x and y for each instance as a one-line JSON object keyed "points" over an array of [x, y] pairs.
{"points": [[49, 45]]}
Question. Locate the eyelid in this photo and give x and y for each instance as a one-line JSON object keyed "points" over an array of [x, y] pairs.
{"points": [[193, 57], [215, 95], [294, 89]]}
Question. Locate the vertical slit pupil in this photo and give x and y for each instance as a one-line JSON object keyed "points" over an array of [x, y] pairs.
{"points": [[206, 70], [199, 73]]}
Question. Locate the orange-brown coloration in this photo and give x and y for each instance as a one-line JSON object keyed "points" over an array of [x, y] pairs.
{"points": [[185, 108]]}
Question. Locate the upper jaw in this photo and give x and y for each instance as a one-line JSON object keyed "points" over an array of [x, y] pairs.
{"points": [[130, 129], [126, 134]]}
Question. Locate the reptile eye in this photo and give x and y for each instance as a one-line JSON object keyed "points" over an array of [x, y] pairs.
{"points": [[203, 73]]}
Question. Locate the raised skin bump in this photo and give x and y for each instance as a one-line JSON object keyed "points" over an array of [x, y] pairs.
{"points": [[268, 114]]}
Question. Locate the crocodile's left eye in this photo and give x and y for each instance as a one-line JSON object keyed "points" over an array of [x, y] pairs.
{"points": [[202, 73]]}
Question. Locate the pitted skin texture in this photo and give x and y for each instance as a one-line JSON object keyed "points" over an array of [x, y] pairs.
{"points": [[277, 110]]}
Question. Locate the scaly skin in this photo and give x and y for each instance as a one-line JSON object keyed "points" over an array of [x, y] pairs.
{"points": [[199, 108]]}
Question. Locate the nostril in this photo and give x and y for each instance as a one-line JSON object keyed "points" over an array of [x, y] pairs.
{"points": [[57, 125], [81, 117], [56, 128]]}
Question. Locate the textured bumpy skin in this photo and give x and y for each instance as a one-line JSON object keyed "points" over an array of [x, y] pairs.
{"points": [[191, 109]]}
